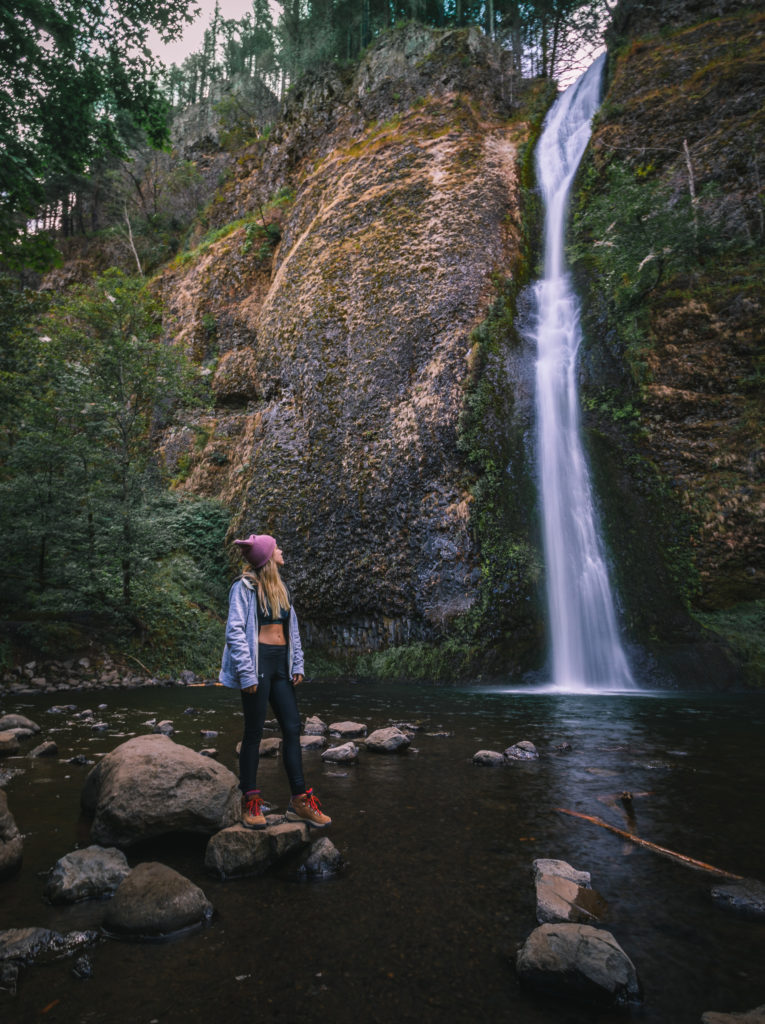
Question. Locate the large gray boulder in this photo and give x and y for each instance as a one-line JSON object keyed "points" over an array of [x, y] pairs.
{"points": [[151, 786], [387, 741], [90, 874], [154, 900], [238, 851], [580, 962], [11, 841]]}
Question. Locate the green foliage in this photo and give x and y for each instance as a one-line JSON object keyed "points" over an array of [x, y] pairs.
{"points": [[743, 627], [78, 82], [84, 526]]}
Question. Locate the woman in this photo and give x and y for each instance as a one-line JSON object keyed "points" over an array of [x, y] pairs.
{"points": [[263, 658]]}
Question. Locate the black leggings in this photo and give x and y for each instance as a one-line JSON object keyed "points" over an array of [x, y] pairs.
{"points": [[274, 686]]}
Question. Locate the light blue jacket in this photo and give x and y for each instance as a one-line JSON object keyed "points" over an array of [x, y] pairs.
{"points": [[240, 655]]}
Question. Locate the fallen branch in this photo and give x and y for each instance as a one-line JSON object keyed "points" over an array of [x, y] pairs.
{"points": [[148, 671], [679, 857]]}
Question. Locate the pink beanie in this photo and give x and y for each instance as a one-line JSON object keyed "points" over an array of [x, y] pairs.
{"points": [[257, 549]]}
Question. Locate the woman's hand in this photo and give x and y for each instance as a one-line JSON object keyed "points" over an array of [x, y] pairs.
{"points": [[297, 679], [250, 689]]}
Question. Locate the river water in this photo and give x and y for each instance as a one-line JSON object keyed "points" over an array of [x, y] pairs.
{"points": [[437, 893]]}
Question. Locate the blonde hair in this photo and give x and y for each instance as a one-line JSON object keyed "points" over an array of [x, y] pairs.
{"points": [[273, 596]]}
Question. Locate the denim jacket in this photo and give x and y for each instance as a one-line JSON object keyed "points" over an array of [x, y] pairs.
{"points": [[239, 668]]}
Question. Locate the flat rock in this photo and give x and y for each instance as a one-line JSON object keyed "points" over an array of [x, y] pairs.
{"points": [[579, 962], [344, 753], [314, 726], [323, 861], [18, 722], [9, 742], [746, 897], [237, 850], [155, 901], [151, 786], [489, 758], [548, 866], [348, 730], [523, 751], [560, 899], [387, 741], [11, 840], [312, 743], [25, 945], [48, 748], [755, 1016], [89, 874], [270, 746]]}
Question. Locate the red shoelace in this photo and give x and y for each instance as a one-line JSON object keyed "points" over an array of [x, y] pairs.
{"points": [[253, 804], [312, 801]]}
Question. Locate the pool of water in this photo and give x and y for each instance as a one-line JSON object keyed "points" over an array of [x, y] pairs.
{"points": [[437, 893]]}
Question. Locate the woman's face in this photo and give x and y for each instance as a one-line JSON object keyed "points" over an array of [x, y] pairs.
{"points": [[277, 556]]}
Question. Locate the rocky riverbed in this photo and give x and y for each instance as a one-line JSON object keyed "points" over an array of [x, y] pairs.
{"points": [[440, 887]]}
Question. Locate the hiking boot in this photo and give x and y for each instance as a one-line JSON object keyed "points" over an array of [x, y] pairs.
{"points": [[252, 810], [306, 808]]}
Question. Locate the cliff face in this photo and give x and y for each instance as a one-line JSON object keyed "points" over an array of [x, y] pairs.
{"points": [[669, 209], [341, 366]]}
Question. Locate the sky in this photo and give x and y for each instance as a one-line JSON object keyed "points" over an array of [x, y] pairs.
{"points": [[191, 42]]}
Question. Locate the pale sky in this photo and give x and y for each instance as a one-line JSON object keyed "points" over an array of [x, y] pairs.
{"points": [[191, 42]]}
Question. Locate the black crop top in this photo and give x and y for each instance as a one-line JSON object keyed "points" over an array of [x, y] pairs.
{"points": [[267, 619]]}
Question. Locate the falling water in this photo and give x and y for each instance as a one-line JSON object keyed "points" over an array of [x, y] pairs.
{"points": [[587, 653]]}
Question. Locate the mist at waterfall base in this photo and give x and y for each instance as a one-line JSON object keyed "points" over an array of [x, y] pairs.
{"points": [[587, 654]]}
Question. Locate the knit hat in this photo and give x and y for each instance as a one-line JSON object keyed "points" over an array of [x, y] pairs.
{"points": [[257, 549]]}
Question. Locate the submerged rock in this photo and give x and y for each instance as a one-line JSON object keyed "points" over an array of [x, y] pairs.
{"points": [[755, 1016], [387, 741], [89, 874], [323, 861], [151, 786], [166, 728], [9, 743], [25, 945], [49, 748], [312, 743], [489, 758], [523, 751], [156, 901], [747, 897], [579, 962], [344, 753], [11, 840]]}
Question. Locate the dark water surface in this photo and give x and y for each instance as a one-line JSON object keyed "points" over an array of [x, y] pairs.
{"points": [[438, 891]]}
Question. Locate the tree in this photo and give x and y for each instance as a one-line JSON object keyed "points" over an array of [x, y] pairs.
{"points": [[78, 79]]}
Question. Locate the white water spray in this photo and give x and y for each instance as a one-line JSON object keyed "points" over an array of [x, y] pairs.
{"points": [[587, 653]]}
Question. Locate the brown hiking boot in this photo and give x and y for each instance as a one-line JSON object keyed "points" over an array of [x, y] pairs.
{"points": [[306, 808], [252, 810]]}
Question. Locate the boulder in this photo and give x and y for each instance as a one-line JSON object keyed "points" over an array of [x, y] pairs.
{"points": [[523, 751], [49, 748], [151, 786], [344, 753], [561, 899], [387, 741], [746, 897], [489, 758], [18, 722], [348, 730], [9, 743], [546, 866], [323, 861], [579, 962], [312, 743], [89, 874], [755, 1016], [21, 732], [11, 841], [270, 746], [156, 901], [314, 726], [237, 850]]}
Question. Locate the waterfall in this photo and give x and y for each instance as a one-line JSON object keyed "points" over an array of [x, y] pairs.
{"points": [[586, 650]]}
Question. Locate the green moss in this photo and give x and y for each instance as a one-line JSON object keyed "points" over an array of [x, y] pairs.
{"points": [[743, 627]]}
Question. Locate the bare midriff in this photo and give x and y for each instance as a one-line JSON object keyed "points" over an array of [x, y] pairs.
{"points": [[272, 633]]}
